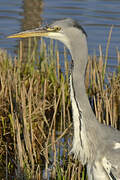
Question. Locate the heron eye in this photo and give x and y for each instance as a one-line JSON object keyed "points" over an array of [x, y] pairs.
{"points": [[57, 28]]}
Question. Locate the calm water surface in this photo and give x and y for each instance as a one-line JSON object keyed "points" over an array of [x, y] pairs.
{"points": [[96, 16]]}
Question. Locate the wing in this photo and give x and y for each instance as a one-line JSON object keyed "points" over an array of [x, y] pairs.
{"points": [[111, 164]]}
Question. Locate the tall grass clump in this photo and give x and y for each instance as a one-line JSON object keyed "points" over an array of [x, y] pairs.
{"points": [[35, 111]]}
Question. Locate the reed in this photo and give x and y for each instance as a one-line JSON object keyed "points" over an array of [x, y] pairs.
{"points": [[35, 112]]}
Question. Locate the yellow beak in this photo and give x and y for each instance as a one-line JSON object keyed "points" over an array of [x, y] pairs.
{"points": [[31, 33]]}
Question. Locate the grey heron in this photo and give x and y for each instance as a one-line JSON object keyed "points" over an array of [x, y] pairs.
{"points": [[96, 145]]}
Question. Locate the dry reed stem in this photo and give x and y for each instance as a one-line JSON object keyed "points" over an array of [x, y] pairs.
{"points": [[107, 48]]}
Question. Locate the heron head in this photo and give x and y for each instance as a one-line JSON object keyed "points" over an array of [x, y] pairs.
{"points": [[62, 30]]}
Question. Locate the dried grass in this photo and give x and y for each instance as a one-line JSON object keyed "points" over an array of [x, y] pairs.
{"points": [[35, 113]]}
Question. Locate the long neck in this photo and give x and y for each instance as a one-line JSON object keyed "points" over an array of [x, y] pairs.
{"points": [[80, 61], [86, 127]]}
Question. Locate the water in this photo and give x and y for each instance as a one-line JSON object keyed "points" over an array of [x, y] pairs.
{"points": [[96, 16]]}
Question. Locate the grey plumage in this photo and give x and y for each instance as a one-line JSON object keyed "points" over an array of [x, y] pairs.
{"points": [[94, 144]]}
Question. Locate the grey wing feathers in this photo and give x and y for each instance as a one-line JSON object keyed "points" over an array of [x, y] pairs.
{"points": [[111, 164]]}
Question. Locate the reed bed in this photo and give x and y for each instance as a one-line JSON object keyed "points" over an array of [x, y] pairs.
{"points": [[35, 112]]}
